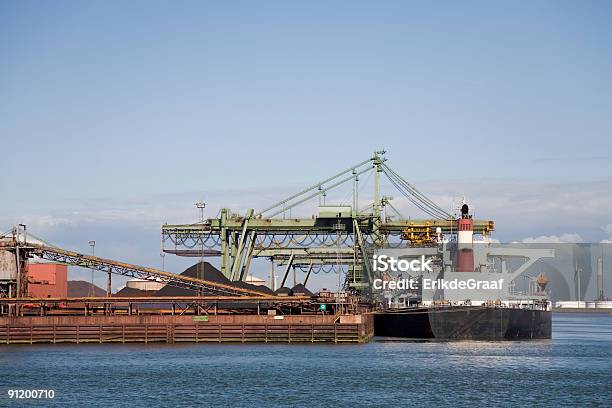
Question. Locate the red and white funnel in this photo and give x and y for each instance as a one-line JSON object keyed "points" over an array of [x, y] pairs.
{"points": [[465, 240]]}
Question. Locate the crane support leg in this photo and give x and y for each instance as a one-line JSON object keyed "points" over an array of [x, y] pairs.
{"points": [[239, 254], [366, 261], [224, 242], [308, 274], [289, 265], [249, 256]]}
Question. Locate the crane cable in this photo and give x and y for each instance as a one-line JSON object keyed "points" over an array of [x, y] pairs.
{"points": [[418, 195], [415, 196], [412, 200]]}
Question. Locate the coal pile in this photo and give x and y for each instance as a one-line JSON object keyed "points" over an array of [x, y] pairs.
{"points": [[284, 291], [201, 270], [82, 289], [300, 290], [263, 289], [205, 271], [133, 292]]}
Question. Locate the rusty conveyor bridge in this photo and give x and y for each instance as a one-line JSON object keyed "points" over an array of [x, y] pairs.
{"points": [[28, 249]]}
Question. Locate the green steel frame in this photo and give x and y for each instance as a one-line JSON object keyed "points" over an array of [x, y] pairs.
{"points": [[312, 242]]}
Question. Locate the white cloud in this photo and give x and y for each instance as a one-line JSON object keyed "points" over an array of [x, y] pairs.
{"points": [[608, 230], [37, 223], [554, 239], [533, 208]]}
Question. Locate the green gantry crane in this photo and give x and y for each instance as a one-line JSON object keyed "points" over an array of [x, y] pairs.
{"points": [[338, 236]]}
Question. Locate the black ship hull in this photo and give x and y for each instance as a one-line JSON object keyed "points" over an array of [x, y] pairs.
{"points": [[465, 323]]}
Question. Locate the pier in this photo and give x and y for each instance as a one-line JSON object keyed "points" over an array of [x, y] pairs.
{"points": [[187, 329]]}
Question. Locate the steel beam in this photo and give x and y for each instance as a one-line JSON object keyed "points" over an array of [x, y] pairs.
{"points": [[157, 299], [303, 226], [286, 202], [289, 264], [308, 274]]}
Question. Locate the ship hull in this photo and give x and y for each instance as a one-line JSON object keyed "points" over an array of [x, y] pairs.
{"points": [[465, 323]]}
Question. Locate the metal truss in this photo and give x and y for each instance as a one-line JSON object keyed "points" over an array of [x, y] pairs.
{"points": [[124, 269]]}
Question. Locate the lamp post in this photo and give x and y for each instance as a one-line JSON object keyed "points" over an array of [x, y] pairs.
{"points": [[200, 205]]}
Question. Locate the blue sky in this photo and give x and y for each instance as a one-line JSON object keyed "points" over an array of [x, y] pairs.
{"points": [[116, 116]]}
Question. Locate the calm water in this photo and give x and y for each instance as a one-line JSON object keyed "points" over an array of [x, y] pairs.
{"points": [[573, 369]]}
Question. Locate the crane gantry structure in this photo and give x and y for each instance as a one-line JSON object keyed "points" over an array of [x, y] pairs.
{"points": [[338, 236]]}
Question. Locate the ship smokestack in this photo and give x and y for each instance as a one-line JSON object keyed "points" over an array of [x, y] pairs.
{"points": [[465, 240]]}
